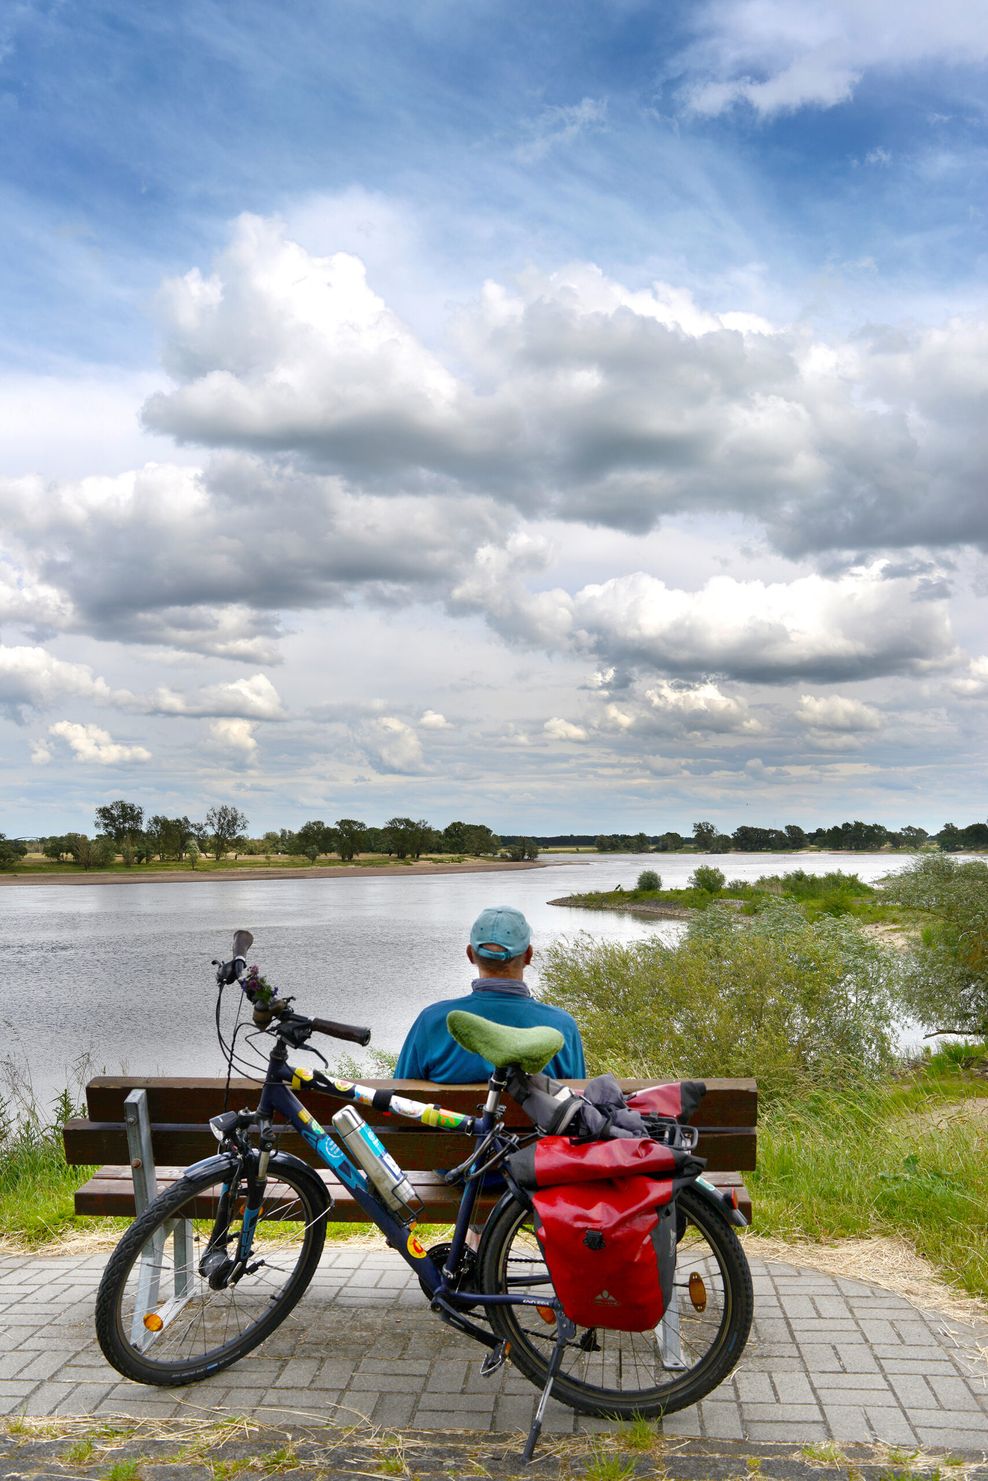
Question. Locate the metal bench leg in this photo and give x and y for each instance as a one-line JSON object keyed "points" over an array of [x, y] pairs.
{"points": [[667, 1332], [138, 1124]]}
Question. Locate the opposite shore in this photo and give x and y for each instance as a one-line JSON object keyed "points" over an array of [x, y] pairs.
{"points": [[312, 871]]}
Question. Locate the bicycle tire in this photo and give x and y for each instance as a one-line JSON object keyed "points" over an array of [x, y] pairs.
{"points": [[616, 1375], [197, 1339]]}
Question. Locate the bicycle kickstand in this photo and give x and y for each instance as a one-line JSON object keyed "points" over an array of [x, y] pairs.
{"points": [[565, 1332]]}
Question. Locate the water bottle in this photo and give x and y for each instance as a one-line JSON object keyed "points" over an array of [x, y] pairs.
{"points": [[365, 1147]]}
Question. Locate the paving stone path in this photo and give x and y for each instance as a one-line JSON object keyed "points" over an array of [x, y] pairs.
{"points": [[829, 1359]]}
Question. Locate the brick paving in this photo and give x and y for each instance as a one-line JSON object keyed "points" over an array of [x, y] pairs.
{"points": [[829, 1359]]}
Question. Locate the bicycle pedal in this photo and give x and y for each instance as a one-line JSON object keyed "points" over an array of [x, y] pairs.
{"points": [[495, 1358]]}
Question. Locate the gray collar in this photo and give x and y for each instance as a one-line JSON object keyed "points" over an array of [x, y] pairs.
{"points": [[512, 985]]}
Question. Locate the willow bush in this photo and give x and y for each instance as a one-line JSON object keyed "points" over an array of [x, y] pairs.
{"points": [[791, 1002]]}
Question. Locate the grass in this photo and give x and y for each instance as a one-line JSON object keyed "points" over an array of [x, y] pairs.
{"points": [[873, 1162], [34, 864], [833, 894]]}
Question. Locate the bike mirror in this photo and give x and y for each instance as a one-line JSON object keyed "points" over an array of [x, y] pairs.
{"points": [[242, 942]]}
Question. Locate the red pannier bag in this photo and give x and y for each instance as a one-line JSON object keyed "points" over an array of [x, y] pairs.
{"points": [[605, 1220]]}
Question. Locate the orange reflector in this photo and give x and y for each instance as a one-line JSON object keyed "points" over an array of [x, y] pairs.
{"points": [[153, 1321], [734, 1197], [547, 1314], [698, 1291]]}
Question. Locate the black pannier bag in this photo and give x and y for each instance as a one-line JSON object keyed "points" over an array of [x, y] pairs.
{"points": [[605, 1219], [601, 1109]]}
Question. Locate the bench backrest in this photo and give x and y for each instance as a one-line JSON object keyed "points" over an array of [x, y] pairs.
{"points": [[180, 1106]]}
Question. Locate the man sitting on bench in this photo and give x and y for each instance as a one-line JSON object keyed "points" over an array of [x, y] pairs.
{"points": [[500, 949]]}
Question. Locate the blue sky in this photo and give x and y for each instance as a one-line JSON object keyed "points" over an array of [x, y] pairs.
{"points": [[754, 217]]}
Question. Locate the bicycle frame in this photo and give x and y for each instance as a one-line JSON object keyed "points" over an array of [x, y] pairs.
{"points": [[277, 1097]]}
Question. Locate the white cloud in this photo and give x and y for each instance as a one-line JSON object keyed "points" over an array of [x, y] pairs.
{"points": [[557, 126], [973, 684], [90, 743], [700, 707], [432, 720], [392, 746], [781, 55], [576, 396], [836, 713], [31, 677], [233, 736], [40, 753], [564, 730], [255, 698], [856, 626]]}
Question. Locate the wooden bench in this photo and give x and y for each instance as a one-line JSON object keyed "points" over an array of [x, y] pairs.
{"points": [[178, 1109]]}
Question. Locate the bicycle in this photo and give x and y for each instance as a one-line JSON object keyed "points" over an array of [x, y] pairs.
{"points": [[201, 1277]]}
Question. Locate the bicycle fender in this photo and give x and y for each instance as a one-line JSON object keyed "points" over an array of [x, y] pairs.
{"points": [[217, 1163], [721, 1202], [225, 1162]]}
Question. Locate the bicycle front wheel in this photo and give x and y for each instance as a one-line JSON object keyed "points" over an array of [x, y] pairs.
{"points": [[626, 1374], [160, 1320]]}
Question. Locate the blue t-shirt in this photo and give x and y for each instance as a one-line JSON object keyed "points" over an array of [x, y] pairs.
{"points": [[431, 1053]]}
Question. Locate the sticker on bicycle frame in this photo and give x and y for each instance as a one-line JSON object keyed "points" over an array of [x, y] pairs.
{"points": [[416, 1248], [342, 1084], [300, 1076], [448, 1120], [303, 1115]]}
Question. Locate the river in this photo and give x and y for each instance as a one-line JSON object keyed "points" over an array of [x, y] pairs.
{"points": [[116, 978]]}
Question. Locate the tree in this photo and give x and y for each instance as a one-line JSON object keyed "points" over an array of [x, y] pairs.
{"points": [[89, 853], [707, 877], [11, 851], [703, 836], [120, 820], [913, 837], [795, 835], [350, 837], [193, 853], [313, 839], [226, 827], [946, 980], [409, 837], [669, 843], [521, 849], [649, 880]]}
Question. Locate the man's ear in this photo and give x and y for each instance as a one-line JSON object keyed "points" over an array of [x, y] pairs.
{"points": [[470, 955], [529, 953]]}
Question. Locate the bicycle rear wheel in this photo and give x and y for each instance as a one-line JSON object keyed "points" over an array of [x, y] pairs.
{"points": [[626, 1374], [158, 1318]]}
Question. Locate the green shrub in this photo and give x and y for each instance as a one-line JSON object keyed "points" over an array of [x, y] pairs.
{"points": [[791, 1002], [707, 877], [649, 880], [946, 982]]}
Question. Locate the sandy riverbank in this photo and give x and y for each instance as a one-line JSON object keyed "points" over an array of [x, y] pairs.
{"points": [[314, 871]]}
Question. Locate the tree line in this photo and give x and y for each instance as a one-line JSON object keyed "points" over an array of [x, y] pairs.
{"points": [[856, 836], [121, 829]]}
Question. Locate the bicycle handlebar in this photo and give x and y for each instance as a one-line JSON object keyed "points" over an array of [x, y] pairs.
{"points": [[351, 1032]]}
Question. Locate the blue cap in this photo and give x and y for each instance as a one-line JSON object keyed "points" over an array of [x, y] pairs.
{"points": [[499, 933]]}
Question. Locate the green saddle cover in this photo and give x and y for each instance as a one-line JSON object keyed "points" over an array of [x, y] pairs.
{"points": [[532, 1048]]}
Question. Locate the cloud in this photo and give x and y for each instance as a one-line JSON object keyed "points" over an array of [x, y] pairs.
{"points": [[32, 678], [90, 743], [233, 737], [699, 707], [973, 684], [556, 126], [836, 713], [778, 57], [392, 746], [575, 396], [40, 753], [854, 627], [432, 720], [204, 560], [563, 730], [250, 699]]}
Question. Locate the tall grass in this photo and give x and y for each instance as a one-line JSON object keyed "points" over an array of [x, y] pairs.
{"points": [[36, 1183]]}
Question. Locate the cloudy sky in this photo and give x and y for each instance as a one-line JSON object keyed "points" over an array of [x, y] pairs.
{"points": [[567, 417]]}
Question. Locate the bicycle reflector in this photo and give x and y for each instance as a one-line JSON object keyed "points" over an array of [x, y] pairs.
{"points": [[698, 1291], [153, 1321]]}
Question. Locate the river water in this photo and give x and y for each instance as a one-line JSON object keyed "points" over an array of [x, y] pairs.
{"points": [[117, 979]]}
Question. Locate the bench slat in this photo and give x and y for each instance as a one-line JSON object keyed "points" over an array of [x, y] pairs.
{"points": [[88, 1142], [196, 1098], [111, 1193]]}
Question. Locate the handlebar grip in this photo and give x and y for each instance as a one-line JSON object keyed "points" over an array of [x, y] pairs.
{"points": [[349, 1031]]}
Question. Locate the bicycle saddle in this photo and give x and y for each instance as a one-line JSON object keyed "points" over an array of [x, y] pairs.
{"points": [[531, 1048]]}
